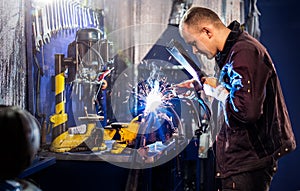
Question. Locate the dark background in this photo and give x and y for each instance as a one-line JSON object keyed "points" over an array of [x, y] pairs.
{"points": [[280, 24]]}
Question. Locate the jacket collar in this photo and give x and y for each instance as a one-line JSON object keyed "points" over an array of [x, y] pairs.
{"points": [[236, 30]]}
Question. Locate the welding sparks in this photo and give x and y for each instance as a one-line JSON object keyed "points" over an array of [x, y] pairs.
{"points": [[156, 108], [151, 97], [154, 98]]}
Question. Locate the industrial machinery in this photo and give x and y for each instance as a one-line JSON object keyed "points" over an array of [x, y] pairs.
{"points": [[163, 118], [86, 74]]}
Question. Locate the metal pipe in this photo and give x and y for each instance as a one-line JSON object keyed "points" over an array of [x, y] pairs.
{"points": [[60, 118]]}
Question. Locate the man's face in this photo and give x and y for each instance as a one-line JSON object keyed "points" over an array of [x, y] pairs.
{"points": [[198, 39]]}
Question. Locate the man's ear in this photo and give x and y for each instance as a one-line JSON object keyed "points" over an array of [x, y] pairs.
{"points": [[207, 31]]}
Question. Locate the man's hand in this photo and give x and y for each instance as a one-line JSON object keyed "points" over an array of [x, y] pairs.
{"points": [[212, 88], [213, 82], [186, 84]]}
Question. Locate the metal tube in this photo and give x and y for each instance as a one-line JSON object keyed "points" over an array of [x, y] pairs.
{"points": [[60, 118]]}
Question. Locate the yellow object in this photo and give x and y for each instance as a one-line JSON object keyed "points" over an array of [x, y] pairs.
{"points": [[129, 134], [60, 115], [102, 147], [118, 148], [65, 141], [109, 134], [60, 118]]}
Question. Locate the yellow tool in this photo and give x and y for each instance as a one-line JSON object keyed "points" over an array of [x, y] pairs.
{"points": [[90, 138], [128, 134]]}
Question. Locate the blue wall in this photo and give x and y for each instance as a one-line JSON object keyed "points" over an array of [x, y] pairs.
{"points": [[280, 26]]}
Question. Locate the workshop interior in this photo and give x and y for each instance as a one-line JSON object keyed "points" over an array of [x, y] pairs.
{"points": [[100, 76]]}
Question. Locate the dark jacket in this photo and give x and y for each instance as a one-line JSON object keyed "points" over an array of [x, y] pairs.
{"points": [[257, 129]]}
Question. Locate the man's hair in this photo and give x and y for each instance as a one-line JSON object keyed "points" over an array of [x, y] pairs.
{"points": [[195, 15]]}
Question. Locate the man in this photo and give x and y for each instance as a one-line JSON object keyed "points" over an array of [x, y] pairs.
{"points": [[256, 130]]}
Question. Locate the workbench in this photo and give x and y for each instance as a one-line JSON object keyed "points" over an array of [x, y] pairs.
{"points": [[103, 171], [38, 164]]}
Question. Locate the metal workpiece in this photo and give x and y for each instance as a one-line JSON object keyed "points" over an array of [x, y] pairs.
{"points": [[145, 156]]}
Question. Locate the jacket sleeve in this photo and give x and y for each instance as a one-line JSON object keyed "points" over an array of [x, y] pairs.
{"points": [[245, 76]]}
